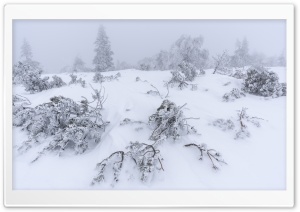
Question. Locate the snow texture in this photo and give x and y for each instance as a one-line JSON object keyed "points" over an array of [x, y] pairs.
{"points": [[255, 162]]}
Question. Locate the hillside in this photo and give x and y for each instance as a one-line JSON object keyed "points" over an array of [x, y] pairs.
{"points": [[257, 162]]}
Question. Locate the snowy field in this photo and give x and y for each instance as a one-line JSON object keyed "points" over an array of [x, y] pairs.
{"points": [[257, 162]]}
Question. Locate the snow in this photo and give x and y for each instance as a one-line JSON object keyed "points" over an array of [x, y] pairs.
{"points": [[257, 162]]}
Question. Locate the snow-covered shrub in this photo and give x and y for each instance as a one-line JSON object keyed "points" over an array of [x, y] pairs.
{"points": [[239, 74], [261, 82], [57, 82], [68, 124], [233, 95], [169, 121], [153, 93], [189, 70], [75, 81], [33, 83], [81, 82], [19, 70], [224, 124], [98, 77], [213, 155], [178, 78], [127, 121], [146, 158], [283, 89], [20, 100], [243, 119], [30, 77], [194, 87]]}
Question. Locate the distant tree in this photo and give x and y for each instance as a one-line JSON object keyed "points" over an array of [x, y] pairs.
{"points": [[221, 62], [26, 65], [26, 52], [190, 50], [241, 55], [103, 60], [258, 59], [147, 64], [162, 60], [78, 65], [123, 65], [282, 59]]}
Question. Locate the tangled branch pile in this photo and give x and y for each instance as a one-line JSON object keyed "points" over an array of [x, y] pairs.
{"points": [[146, 158], [243, 118], [213, 155], [169, 121]]}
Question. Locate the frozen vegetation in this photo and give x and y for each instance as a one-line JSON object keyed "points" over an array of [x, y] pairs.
{"points": [[175, 121]]}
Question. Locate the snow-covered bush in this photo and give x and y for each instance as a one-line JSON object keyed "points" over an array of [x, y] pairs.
{"points": [[261, 82], [146, 158], [153, 93], [213, 155], [75, 81], [189, 70], [243, 119], [57, 82], [224, 124], [19, 70], [239, 74], [194, 87], [127, 121], [169, 121], [233, 95], [178, 78], [69, 125], [99, 78], [30, 77]]}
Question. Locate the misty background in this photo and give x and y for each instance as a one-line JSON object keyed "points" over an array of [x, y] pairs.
{"points": [[55, 43]]}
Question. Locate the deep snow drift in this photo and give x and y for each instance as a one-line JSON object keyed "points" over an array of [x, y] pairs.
{"points": [[257, 162]]}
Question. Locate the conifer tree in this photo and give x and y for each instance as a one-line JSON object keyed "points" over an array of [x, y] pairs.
{"points": [[103, 60]]}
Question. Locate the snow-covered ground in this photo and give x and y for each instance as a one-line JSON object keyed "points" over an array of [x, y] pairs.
{"points": [[257, 162]]}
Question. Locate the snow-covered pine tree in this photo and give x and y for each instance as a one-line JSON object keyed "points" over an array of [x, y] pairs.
{"points": [[26, 52], [103, 60]]}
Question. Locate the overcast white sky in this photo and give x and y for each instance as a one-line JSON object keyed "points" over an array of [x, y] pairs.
{"points": [[55, 43]]}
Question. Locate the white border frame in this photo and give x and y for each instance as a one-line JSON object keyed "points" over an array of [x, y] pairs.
{"points": [[145, 198]]}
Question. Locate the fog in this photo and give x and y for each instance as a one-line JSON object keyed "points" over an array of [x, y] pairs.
{"points": [[55, 43]]}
